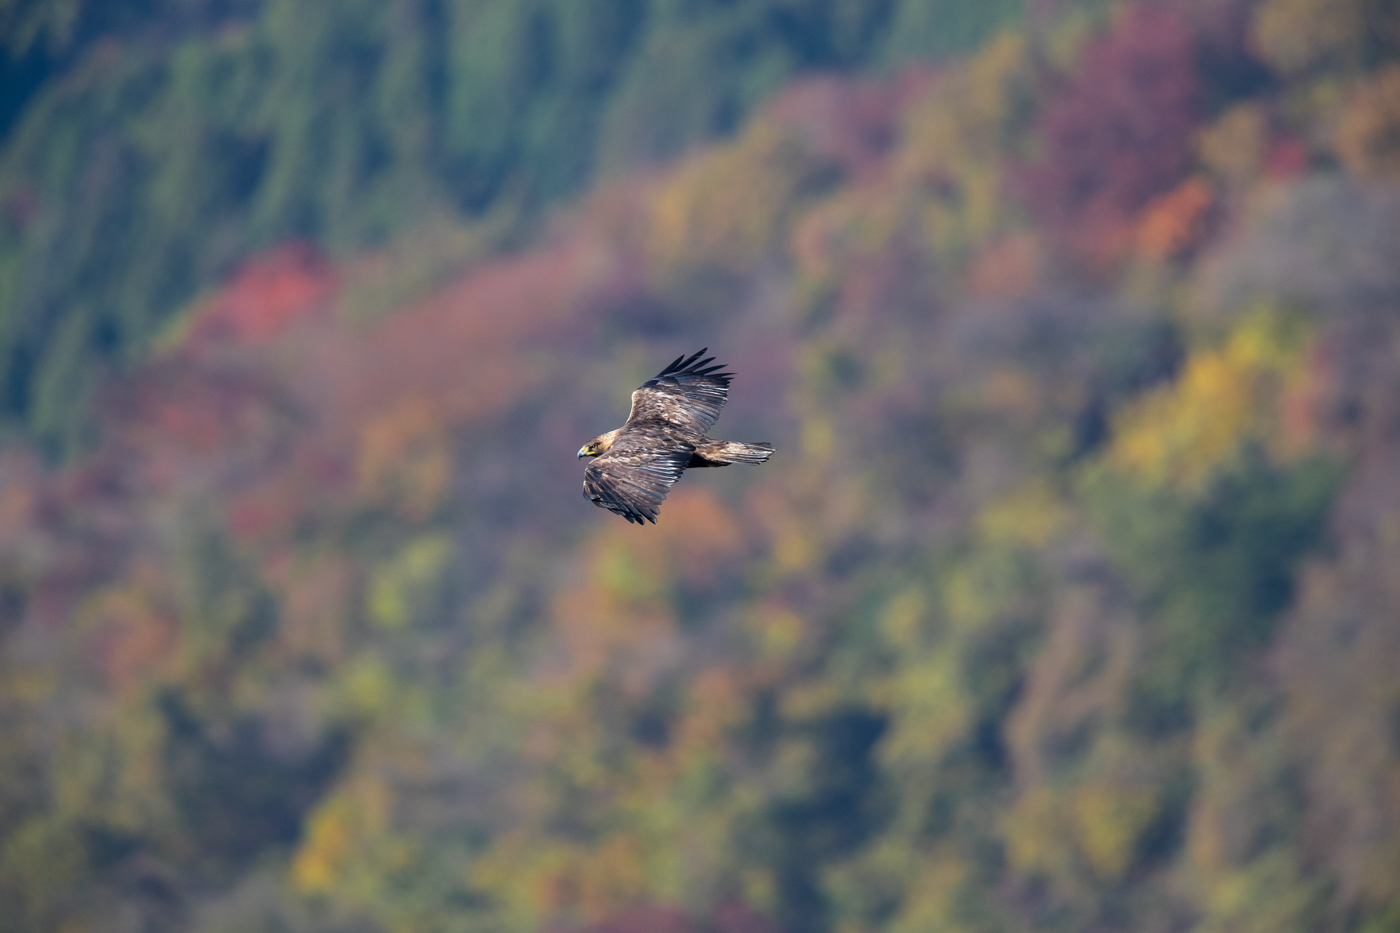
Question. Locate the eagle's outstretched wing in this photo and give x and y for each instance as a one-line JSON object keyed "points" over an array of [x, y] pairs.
{"points": [[634, 476], [685, 394]]}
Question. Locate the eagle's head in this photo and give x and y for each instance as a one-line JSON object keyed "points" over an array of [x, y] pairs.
{"points": [[599, 445]]}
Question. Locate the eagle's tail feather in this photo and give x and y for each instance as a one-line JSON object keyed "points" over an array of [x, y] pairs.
{"points": [[722, 453], [750, 453]]}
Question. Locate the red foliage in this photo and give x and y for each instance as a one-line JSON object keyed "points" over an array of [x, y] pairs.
{"points": [[266, 295], [1287, 158], [850, 122], [272, 418], [129, 640], [1119, 135]]}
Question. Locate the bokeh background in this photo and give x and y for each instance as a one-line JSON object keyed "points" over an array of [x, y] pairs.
{"points": [[1070, 601]]}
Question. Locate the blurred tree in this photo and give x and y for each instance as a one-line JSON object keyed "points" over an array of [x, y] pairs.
{"points": [[140, 169], [1368, 131], [1070, 610], [1295, 35], [1120, 133]]}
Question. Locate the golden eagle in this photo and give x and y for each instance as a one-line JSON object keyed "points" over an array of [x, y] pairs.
{"points": [[636, 464]]}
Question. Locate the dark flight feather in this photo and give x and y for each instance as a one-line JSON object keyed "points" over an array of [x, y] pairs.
{"points": [[632, 479], [688, 395]]}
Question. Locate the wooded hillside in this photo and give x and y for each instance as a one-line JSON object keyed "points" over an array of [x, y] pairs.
{"points": [[147, 147], [1068, 601]]}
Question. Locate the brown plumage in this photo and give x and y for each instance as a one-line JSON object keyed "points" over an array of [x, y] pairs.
{"points": [[635, 465]]}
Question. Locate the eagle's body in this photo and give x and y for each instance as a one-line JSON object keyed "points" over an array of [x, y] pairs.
{"points": [[635, 465]]}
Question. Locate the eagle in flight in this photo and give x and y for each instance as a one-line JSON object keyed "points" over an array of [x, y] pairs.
{"points": [[635, 465]]}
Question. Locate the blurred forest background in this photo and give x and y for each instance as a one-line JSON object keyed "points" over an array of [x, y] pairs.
{"points": [[1070, 602]]}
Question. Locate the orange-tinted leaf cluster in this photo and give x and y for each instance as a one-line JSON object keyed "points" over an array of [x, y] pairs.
{"points": [[1174, 223]]}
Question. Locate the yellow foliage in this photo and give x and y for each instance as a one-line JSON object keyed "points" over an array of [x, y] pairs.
{"points": [[818, 437], [116, 776], [1099, 822], [396, 587], [727, 206], [932, 903], [971, 112], [811, 701], [974, 592], [794, 552], [902, 622], [1270, 895], [1034, 830], [760, 888], [1029, 516], [368, 685], [933, 710], [39, 857], [619, 572], [338, 833], [1181, 435], [955, 140], [1109, 822], [778, 629]]}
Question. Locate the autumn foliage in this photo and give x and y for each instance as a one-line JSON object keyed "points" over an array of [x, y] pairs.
{"points": [[1119, 134], [1066, 603]]}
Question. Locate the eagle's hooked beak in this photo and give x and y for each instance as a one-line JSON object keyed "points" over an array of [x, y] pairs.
{"points": [[582, 452]]}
